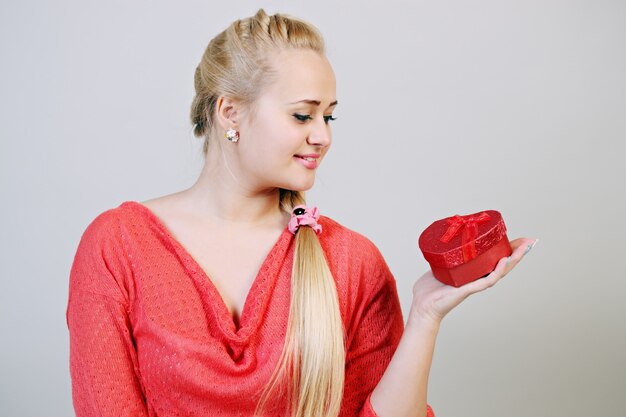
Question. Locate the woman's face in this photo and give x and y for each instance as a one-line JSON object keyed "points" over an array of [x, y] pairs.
{"points": [[288, 134]]}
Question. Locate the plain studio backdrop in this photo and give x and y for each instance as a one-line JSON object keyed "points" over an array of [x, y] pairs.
{"points": [[448, 107]]}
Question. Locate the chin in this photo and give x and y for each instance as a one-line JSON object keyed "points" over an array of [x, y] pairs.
{"points": [[300, 186], [303, 188]]}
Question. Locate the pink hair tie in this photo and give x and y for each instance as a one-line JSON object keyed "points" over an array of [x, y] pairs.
{"points": [[304, 216]]}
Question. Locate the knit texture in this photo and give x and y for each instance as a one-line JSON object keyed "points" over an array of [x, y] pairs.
{"points": [[150, 334]]}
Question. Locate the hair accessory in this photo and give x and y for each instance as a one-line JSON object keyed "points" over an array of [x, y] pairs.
{"points": [[232, 135], [304, 216]]}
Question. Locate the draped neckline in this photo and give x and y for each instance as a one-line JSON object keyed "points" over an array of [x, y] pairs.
{"points": [[257, 297]]}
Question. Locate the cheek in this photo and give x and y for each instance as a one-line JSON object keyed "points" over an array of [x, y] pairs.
{"points": [[289, 140], [274, 144], [268, 151]]}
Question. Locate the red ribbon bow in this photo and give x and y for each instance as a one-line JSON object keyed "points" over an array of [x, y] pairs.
{"points": [[469, 224]]}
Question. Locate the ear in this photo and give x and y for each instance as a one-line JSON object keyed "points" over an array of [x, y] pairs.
{"points": [[226, 112]]}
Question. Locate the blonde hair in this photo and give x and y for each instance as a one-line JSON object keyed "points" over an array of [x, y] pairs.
{"points": [[311, 366]]}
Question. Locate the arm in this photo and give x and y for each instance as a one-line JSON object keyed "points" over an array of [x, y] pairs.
{"points": [[103, 360], [402, 389]]}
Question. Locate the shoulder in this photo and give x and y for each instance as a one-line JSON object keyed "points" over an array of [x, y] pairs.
{"points": [[101, 264], [116, 231], [348, 248], [335, 233], [107, 225]]}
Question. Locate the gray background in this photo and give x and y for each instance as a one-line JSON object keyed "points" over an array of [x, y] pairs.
{"points": [[445, 107]]}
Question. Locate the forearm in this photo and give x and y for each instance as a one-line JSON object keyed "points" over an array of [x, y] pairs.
{"points": [[402, 390]]}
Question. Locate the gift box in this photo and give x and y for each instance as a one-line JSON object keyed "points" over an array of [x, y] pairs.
{"points": [[461, 249]]}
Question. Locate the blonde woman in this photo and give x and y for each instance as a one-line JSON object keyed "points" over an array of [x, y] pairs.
{"points": [[234, 298]]}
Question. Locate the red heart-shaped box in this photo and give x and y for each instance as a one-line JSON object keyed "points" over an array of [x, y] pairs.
{"points": [[461, 249]]}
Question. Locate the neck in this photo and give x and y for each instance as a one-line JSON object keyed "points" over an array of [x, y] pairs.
{"points": [[218, 195]]}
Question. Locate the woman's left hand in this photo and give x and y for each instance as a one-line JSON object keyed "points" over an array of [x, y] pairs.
{"points": [[432, 300]]}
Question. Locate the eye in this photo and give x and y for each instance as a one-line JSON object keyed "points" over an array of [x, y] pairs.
{"points": [[302, 117]]}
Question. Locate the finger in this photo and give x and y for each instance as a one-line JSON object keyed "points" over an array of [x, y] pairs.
{"points": [[522, 241], [520, 248]]}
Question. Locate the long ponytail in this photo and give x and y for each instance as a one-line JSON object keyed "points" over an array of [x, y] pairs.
{"points": [[312, 362]]}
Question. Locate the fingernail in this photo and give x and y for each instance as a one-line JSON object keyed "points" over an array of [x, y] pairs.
{"points": [[530, 246]]}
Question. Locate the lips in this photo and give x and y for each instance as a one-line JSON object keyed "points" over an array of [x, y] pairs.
{"points": [[306, 158], [310, 161], [309, 156]]}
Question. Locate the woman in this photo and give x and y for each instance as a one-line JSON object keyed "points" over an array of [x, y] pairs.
{"points": [[232, 297]]}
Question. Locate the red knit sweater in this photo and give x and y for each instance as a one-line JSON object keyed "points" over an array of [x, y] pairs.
{"points": [[150, 334]]}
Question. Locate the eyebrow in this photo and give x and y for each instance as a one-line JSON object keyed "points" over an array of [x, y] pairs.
{"points": [[316, 102]]}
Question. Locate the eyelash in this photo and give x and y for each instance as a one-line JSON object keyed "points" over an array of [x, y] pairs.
{"points": [[304, 117]]}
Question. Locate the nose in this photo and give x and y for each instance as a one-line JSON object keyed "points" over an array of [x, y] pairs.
{"points": [[320, 134]]}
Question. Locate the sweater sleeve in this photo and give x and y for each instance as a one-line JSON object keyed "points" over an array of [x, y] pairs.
{"points": [[103, 360], [375, 338]]}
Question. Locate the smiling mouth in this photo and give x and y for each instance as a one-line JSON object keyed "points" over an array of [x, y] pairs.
{"points": [[307, 158], [309, 161]]}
